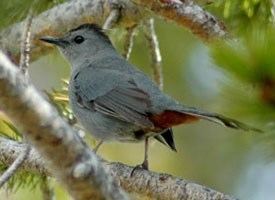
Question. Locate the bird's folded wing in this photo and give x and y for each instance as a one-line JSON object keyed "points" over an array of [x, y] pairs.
{"points": [[113, 94]]}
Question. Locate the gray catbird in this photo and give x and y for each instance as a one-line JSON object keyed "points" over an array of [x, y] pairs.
{"points": [[114, 100]]}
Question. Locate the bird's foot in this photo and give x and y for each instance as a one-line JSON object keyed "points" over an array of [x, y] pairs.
{"points": [[97, 146], [143, 166]]}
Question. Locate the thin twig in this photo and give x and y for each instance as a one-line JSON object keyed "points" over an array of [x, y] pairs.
{"points": [[25, 45], [112, 18], [14, 166], [128, 43], [152, 39]]}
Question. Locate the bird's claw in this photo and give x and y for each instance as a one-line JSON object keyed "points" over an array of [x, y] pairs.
{"points": [[143, 166]]}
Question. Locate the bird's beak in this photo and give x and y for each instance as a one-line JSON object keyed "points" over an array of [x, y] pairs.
{"points": [[57, 41]]}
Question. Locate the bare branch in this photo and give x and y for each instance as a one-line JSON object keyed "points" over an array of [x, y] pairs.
{"points": [[26, 45], [64, 17], [152, 39], [128, 43], [70, 14], [113, 17], [72, 162], [10, 150], [188, 14], [14, 166], [24, 64], [143, 182]]}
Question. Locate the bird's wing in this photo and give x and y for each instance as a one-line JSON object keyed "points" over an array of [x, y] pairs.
{"points": [[114, 94]]}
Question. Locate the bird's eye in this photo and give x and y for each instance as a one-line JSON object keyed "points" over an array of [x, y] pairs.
{"points": [[79, 39]]}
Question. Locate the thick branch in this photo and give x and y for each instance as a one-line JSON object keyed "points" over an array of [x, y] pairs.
{"points": [[64, 17], [71, 161], [70, 14], [23, 66], [144, 183], [188, 14]]}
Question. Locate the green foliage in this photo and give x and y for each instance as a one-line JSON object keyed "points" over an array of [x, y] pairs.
{"points": [[16, 10], [251, 60], [22, 179], [59, 98], [241, 15], [7, 129]]}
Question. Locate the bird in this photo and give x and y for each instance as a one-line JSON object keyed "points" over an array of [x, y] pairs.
{"points": [[115, 101]]}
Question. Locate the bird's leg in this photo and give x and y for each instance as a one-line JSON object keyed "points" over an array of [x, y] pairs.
{"points": [[98, 145], [145, 164]]}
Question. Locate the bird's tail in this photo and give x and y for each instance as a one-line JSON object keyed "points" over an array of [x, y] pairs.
{"points": [[219, 119]]}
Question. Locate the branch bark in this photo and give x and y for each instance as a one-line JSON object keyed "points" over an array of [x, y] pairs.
{"points": [[128, 42], [23, 66], [70, 14], [143, 183], [64, 17], [14, 166], [71, 161], [188, 14], [113, 18]]}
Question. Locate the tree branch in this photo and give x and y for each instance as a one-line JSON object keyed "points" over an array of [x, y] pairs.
{"points": [[143, 183], [113, 17], [10, 150], [14, 166], [25, 45], [188, 14], [64, 17], [71, 161], [128, 42], [23, 66], [70, 14], [150, 34]]}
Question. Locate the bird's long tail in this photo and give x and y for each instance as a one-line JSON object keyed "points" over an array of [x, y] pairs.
{"points": [[219, 119], [165, 120]]}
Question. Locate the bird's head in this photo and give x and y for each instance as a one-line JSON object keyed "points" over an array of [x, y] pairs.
{"points": [[81, 43]]}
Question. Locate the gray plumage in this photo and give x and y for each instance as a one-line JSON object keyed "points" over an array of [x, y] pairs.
{"points": [[113, 99]]}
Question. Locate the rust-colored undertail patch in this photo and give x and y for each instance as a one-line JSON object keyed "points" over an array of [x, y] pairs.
{"points": [[169, 118]]}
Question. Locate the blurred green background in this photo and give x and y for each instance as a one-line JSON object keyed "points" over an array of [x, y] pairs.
{"points": [[235, 78]]}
